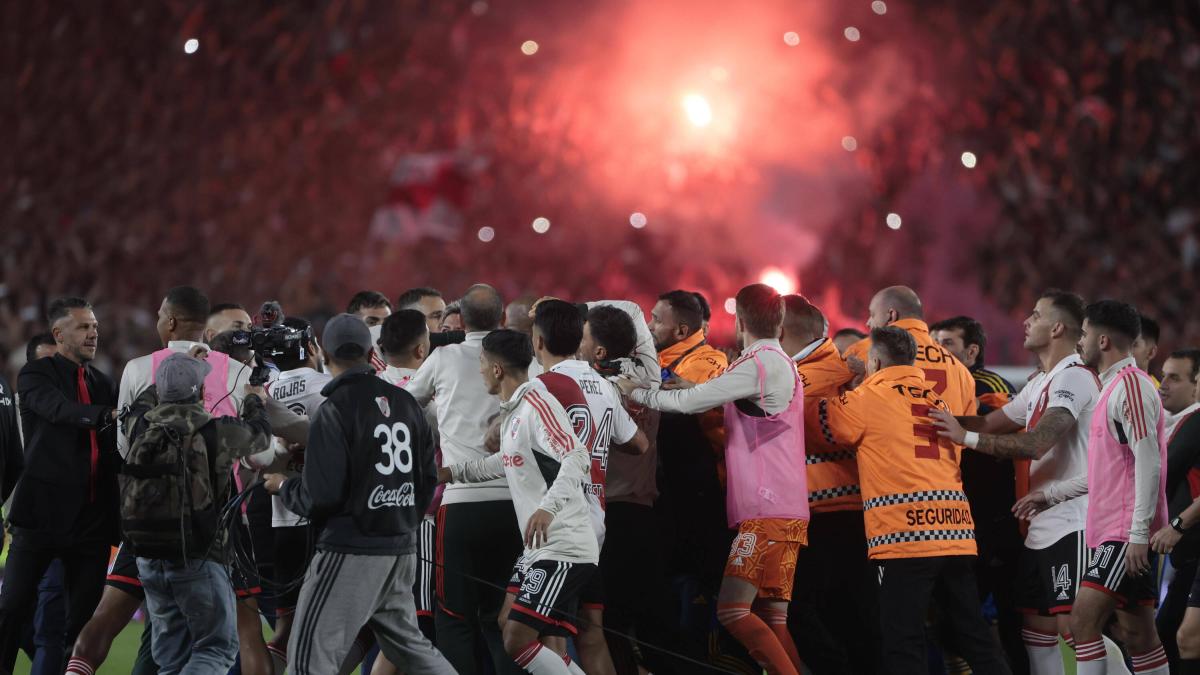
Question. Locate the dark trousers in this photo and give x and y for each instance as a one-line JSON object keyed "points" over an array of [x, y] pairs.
{"points": [[1174, 606], [834, 613], [636, 600], [44, 639], [476, 540], [84, 566], [906, 586]]}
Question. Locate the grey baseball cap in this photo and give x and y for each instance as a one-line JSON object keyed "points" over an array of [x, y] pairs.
{"points": [[346, 336], [179, 377]]}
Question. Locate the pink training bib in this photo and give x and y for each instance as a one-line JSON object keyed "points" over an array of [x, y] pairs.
{"points": [[767, 476], [216, 385], [1110, 475]]}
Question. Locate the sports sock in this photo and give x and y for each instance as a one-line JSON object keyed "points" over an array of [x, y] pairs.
{"points": [[538, 660], [1153, 662], [776, 620], [756, 637], [78, 666], [1044, 655], [1114, 657], [1090, 658]]}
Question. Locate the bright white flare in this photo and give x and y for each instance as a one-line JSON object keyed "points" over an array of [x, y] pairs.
{"points": [[541, 225], [968, 160], [486, 234], [893, 221], [698, 112], [191, 46], [781, 281]]}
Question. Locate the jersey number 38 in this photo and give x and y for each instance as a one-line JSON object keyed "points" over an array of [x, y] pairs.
{"points": [[394, 444]]}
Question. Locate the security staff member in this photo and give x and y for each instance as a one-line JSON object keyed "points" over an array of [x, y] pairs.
{"points": [[368, 477], [919, 528], [832, 617]]}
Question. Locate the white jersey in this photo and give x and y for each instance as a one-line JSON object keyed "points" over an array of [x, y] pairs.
{"points": [[545, 464], [606, 422], [397, 376], [1072, 386], [450, 379], [300, 391]]}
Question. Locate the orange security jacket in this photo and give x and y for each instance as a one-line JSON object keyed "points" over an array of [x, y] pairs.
{"points": [[947, 376], [832, 470], [695, 360], [913, 500]]}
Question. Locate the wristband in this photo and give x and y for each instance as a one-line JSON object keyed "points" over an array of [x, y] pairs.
{"points": [[971, 439]]}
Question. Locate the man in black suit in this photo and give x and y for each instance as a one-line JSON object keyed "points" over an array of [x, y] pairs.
{"points": [[65, 503]]}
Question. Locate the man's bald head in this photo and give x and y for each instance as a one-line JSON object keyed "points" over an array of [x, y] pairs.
{"points": [[516, 315], [892, 304], [803, 323], [482, 308]]}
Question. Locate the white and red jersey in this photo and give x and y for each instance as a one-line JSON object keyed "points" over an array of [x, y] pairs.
{"points": [[545, 465], [300, 391], [397, 376], [1069, 385], [594, 406], [1127, 459]]}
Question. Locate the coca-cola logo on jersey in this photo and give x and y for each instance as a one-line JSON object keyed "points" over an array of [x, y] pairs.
{"points": [[382, 498]]}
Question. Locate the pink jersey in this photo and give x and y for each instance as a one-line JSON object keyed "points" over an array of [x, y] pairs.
{"points": [[767, 475], [217, 400], [1111, 462]]}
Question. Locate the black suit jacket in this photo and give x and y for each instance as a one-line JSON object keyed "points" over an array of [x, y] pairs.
{"points": [[54, 493], [12, 459]]}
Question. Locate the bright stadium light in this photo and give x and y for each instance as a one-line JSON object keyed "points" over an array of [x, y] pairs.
{"points": [[893, 221], [849, 143], [486, 234], [541, 225], [637, 220], [852, 33], [968, 160], [791, 38], [879, 7], [698, 112], [191, 46], [781, 281], [730, 305], [529, 47]]}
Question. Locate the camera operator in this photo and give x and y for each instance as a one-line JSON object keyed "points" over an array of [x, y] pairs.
{"points": [[224, 317], [299, 388]]}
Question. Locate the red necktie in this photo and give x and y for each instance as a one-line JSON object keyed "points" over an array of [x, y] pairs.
{"points": [[86, 399]]}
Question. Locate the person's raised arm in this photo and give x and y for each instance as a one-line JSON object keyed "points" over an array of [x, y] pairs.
{"points": [[40, 394], [324, 484], [738, 382]]}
